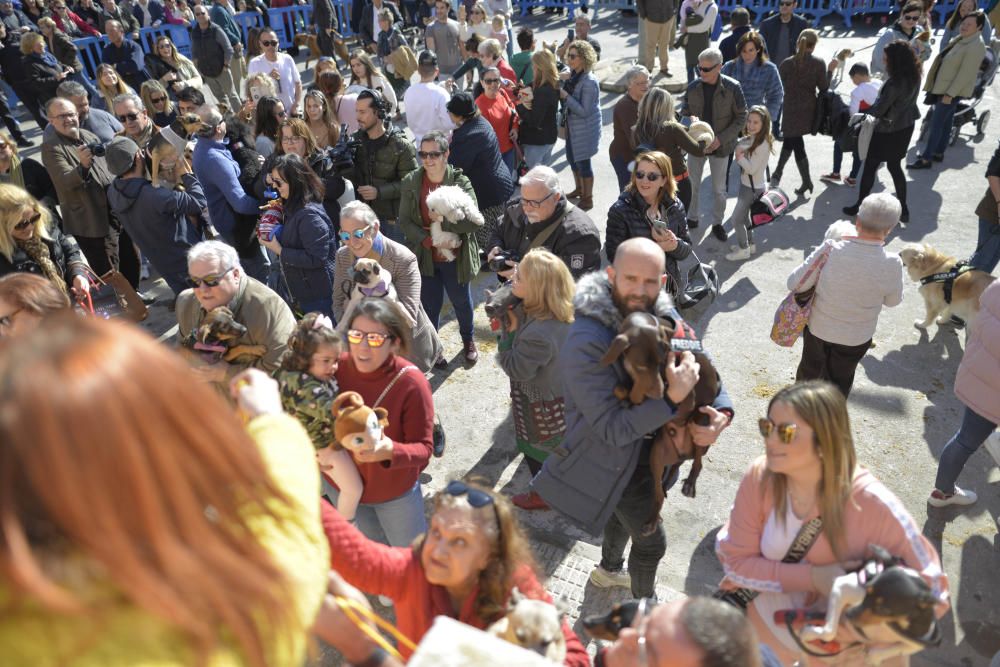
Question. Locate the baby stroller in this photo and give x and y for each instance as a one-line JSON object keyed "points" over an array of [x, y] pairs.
{"points": [[965, 113]]}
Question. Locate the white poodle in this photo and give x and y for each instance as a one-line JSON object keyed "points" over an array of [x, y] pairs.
{"points": [[454, 205]]}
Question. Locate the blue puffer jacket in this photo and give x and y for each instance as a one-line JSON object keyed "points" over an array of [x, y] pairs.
{"points": [[761, 84], [308, 249], [476, 151], [583, 117], [585, 477]]}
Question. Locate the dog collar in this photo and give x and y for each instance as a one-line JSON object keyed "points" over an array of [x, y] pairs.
{"points": [[379, 289]]}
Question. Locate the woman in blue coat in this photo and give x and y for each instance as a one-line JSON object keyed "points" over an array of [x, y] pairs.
{"points": [[582, 119], [305, 244]]}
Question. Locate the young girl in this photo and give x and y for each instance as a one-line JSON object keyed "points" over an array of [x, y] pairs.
{"points": [[308, 388], [752, 153], [499, 29]]}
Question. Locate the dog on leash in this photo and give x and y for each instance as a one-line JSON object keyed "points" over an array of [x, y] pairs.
{"points": [[887, 603], [308, 39], [370, 280], [216, 335], [645, 340], [452, 204], [532, 624], [923, 261]]}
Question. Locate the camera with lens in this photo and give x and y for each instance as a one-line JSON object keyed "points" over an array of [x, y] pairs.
{"points": [[499, 261], [98, 149], [345, 152]]}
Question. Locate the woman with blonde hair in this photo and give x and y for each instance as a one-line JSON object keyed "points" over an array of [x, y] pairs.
{"points": [[29, 174], [158, 104], [110, 85], [528, 351], [219, 563], [66, 52], [809, 487], [538, 107], [257, 86], [582, 119], [649, 208], [321, 120], [364, 73], [30, 242], [41, 69]]}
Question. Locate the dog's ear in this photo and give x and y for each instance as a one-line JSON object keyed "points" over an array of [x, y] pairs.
{"points": [[515, 597], [618, 346]]}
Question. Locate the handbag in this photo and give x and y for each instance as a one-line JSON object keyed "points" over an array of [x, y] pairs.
{"points": [[699, 290], [804, 539], [111, 295], [793, 312], [768, 206]]}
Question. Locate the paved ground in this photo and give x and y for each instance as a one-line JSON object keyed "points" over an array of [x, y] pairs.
{"points": [[902, 406]]}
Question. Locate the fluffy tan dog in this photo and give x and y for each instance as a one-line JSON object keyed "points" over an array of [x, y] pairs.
{"points": [[534, 625], [921, 260]]}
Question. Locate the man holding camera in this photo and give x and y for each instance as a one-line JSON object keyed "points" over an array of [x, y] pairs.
{"points": [[544, 218], [74, 159]]}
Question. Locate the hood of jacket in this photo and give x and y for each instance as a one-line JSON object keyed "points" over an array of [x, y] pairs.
{"points": [[124, 192], [593, 299]]}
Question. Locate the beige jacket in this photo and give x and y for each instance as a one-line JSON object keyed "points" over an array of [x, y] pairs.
{"points": [[954, 72], [83, 193]]}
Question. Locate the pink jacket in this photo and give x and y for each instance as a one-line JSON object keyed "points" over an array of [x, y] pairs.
{"points": [[978, 381], [875, 516]]}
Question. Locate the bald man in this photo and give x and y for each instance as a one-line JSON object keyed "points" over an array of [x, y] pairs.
{"points": [[600, 477], [692, 632]]}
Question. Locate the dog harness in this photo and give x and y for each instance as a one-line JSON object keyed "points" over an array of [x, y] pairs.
{"points": [[947, 278]]}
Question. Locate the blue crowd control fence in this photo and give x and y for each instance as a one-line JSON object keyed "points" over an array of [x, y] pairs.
{"points": [[568, 5], [288, 22], [248, 20]]}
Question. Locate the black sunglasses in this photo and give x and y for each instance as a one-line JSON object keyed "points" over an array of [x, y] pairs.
{"points": [[269, 42], [650, 176], [157, 100], [707, 69], [24, 224], [912, 18], [128, 116], [423, 155], [490, 82], [208, 281]]}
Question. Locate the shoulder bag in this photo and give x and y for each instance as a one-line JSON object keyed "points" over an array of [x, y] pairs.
{"points": [[768, 206], [792, 316], [111, 295]]}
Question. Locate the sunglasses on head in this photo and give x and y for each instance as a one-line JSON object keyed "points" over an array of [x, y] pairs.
{"points": [[357, 234], [24, 224], [374, 339], [128, 116], [477, 497], [786, 432], [208, 281], [423, 155], [650, 176], [269, 42]]}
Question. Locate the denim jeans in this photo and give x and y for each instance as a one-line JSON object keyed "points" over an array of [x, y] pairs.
{"points": [[838, 159], [536, 155], [81, 79], [626, 523], [971, 434], [696, 167], [509, 159], [621, 171], [987, 253], [395, 522], [740, 219], [324, 306], [941, 122], [432, 290], [392, 230]]}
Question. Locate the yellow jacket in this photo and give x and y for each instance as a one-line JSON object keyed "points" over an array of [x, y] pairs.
{"points": [[954, 72], [122, 635]]}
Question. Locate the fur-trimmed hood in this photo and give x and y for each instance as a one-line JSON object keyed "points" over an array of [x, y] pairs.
{"points": [[593, 299]]}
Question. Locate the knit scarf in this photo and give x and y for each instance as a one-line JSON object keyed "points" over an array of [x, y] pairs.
{"points": [[38, 251], [16, 175]]}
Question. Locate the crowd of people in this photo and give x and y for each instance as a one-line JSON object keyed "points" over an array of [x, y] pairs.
{"points": [[325, 214]]}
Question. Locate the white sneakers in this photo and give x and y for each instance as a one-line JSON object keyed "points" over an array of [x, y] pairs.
{"points": [[992, 445], [960, 497], [606, 579], [740, 254]]}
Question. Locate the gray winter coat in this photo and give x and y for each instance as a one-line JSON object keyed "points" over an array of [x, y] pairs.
{"points": [[585, 477]]}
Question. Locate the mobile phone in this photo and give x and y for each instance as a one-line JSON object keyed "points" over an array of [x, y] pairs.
{"points": [[256, 93], [571, 35]]}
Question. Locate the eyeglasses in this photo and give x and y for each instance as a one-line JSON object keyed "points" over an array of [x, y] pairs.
{"points": [[268, 42], [24, 224], [786, 432], [292, 139], [706, 70], [128, 117], [433, 155], [650, 176], [375, 339], [490, 82], [208, 281], [357, 234], [7, 320], [157, 100], [164, 45], [66, 116], [915, 17], [535, 203]]}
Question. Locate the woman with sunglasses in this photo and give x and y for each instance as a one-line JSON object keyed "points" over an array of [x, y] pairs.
{"points": [[376, 366], [464, 566], [70, 23], [580, 95], [906, 28], [297, 139], [498, 109], [649, 208], [157, 102], [268, 117], [30, 242], [168, 66], [308, 242], [808, 485]]}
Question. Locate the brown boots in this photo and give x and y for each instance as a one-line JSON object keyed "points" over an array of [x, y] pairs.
{"points": [[579, 187], [584, 191]]}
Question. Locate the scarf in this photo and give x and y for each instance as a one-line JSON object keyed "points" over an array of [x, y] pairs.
{"points": [[39, 253], [16, 174], [48, 59]]}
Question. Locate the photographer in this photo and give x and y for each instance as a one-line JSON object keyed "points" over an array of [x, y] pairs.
{"points": [[81, 179], [543, 218]]}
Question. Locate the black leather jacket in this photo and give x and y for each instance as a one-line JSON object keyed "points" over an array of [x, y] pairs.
{"points": [[896, 105]]}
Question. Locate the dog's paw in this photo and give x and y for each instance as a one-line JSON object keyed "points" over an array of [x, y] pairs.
{"points": [[943, 319], [688, 488], [920, 324]]}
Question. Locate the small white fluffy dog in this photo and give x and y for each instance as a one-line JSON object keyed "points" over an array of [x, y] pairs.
{"points": [[454, 205]]}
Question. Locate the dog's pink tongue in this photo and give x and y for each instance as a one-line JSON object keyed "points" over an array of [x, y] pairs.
{"points": [[494, 325]]}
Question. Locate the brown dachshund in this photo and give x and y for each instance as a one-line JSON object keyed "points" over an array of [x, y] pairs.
{"points": [[645, 340], [218, 331]]}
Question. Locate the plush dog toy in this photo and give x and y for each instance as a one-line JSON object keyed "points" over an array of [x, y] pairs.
{"points": [[701, 132], [356, 427], [532, 624], [453, 205]]}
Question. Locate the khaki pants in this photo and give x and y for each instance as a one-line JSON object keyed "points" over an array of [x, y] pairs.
{"points": [[224, 89], [238, 70], [655, 35]]}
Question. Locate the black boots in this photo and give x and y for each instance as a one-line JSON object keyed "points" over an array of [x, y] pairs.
{"points": [[782, 159], [807, 184]]}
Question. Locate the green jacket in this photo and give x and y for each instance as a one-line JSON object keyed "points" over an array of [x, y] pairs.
{"points": [[412, 225], [309, 400], [384, 162]]}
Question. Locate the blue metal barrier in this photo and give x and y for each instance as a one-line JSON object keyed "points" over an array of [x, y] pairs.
{"points": [[817, 9], [248, 20], [854, 8], [289, 21], [343, 9], [90, 54], [568, 5]]}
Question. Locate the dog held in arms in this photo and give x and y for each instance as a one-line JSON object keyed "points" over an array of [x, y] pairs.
{"points": [[451, 204], [217, 334], [922, 261], [645, 340], [370, 280], [532, 624]]}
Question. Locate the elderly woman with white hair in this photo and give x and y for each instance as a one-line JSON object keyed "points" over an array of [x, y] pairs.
{"points": [[853, 277], [361, 238]]}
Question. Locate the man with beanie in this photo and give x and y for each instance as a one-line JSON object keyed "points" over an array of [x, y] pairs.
{"points": [[157, 219], [427, 102]]}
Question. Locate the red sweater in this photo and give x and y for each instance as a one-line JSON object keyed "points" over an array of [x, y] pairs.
{"points": [[378, 569], [498, 112], [411, 417]]}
